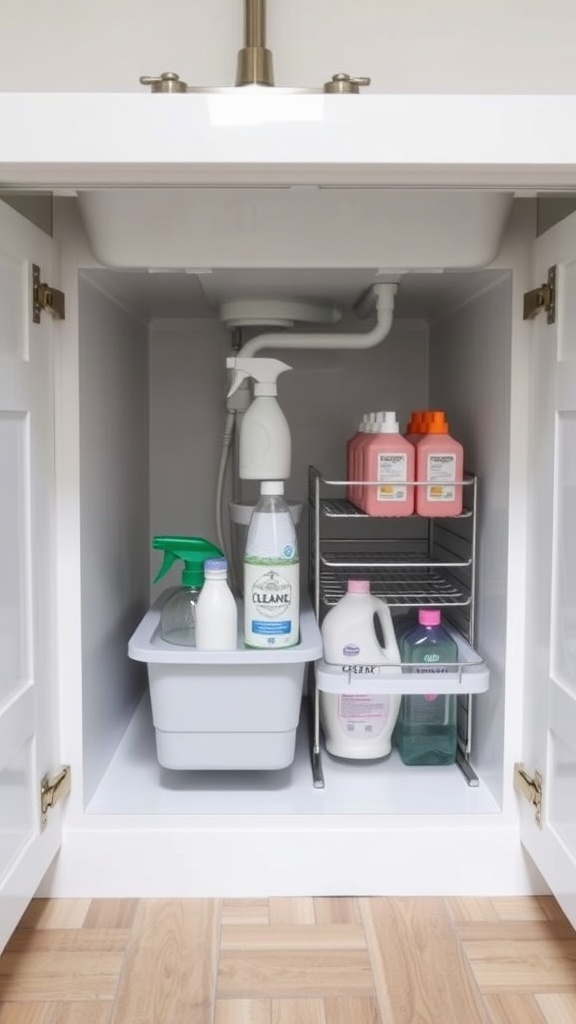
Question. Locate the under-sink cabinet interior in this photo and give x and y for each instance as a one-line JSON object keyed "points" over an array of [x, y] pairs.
{"points": [[152, 382]]}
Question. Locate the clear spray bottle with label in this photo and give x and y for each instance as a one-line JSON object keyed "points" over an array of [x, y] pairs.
{"points": [[271, 573], [178, 616]]}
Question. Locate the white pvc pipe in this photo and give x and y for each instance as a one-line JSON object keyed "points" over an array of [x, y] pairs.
{"points": [[384, 295]]}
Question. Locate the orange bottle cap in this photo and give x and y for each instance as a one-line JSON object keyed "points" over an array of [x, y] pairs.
{"points": [[415, 424], [425, 421], [437, 423]]}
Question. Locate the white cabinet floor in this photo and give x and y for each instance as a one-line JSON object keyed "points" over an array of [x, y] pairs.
{"points": [[136, 784]]}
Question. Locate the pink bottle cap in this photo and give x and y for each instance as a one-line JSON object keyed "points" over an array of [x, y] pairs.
{"points": [[358, 586], [429, 616]]}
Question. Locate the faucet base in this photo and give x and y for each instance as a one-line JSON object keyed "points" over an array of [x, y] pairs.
{"points": [[254, 66]]}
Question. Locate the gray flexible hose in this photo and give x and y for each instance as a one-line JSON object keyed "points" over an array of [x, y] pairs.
{"points": [[227, 440]]}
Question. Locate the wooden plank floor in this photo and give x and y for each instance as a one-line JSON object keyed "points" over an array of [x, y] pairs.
{"points": [[291, 961]]}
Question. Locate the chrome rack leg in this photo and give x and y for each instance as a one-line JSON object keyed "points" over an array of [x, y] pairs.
{"points": [[466, 769], [314, 730], [317, 773]]}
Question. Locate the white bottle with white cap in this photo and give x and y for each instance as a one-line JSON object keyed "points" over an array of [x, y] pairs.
{"points": [[358, 725], [216, 610], [271, 573]]}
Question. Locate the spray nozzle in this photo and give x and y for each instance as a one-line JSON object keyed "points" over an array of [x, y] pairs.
{"points": [[263, 371], [192, 550]]}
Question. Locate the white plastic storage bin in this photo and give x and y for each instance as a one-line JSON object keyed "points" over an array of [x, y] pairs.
{"points": [[224, 709]]}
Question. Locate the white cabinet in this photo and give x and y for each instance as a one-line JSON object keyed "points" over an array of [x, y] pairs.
{"points": [[29, 743], [139, 410], [550, 684]]}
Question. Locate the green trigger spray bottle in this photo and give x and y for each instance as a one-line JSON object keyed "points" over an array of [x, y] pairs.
{"points": [[178, 616]]}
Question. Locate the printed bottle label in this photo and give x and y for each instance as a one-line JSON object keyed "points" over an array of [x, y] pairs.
{"points": [[367, 670], [392, 471], [437, 670], [363, 714], [441, 472], [271, 596], [350, 650], [442, 661]]}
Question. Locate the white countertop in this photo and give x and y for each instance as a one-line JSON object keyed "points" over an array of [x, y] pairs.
{"points": [[258, 136]]}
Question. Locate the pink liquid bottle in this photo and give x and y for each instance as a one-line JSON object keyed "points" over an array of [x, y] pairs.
{"points": [[440, 463], [389, 461], [352, 446], [370, 427]]}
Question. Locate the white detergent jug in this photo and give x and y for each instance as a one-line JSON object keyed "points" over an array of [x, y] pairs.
{"points": [[356, 725]]}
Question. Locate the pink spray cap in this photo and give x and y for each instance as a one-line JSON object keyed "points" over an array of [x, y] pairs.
{"points": [[358, 586], [429, 616]]}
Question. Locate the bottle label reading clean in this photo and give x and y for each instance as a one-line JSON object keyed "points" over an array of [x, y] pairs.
{"points": [[272, 606], [392, 471], [441, 472]]}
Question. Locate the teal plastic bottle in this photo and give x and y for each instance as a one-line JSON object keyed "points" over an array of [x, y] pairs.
{"points": [[426, 729]]}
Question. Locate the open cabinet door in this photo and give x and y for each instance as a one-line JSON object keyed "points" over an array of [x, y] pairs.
{"points": [[548, 825], [28, 699]]}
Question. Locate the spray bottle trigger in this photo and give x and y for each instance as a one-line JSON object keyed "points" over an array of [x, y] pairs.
{"points": [[239, 377], [169, 559]]}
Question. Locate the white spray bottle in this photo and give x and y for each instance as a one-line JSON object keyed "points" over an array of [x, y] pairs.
{"points": [[265, 443]]}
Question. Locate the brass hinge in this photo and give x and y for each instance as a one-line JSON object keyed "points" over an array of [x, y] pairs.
{"points": [[52, 789], [530, 786], [542, 298], [45, 297]]}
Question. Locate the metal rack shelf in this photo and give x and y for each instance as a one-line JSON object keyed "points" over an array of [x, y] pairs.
{"points": [[400, 588], [434, 568], [341, 508], [412, 562], [396, 562]]}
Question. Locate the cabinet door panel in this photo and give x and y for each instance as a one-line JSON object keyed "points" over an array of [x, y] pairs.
{"points": [[14, 554], [28, 711], [550, 670], [563, 634], [13, 320]]}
